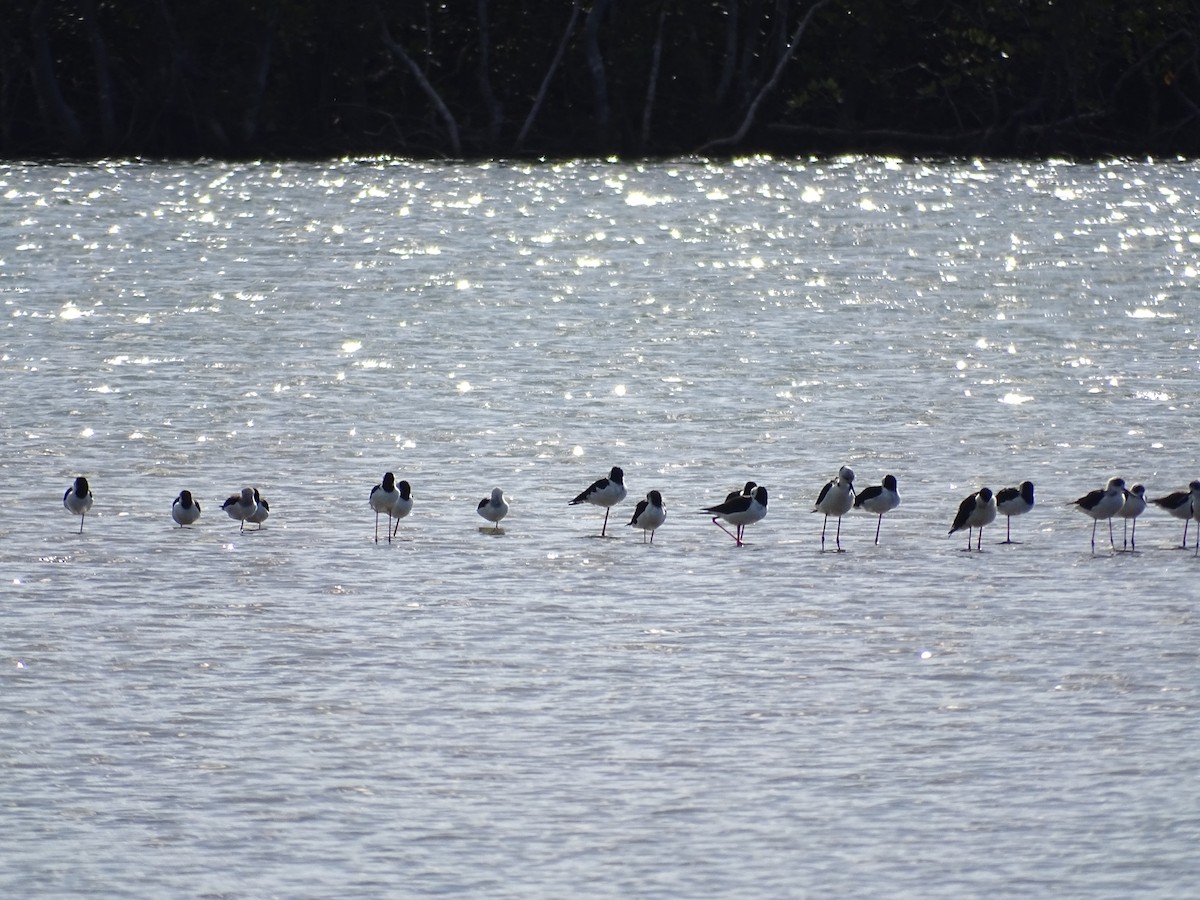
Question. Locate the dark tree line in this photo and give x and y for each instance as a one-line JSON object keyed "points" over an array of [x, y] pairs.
{"points": [[512, 78]]}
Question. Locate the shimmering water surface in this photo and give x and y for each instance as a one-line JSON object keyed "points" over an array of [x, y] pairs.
{"points": [[299, 711]]}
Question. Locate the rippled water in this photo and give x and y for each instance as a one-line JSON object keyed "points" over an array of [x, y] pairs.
{"points": [[299, 711]]}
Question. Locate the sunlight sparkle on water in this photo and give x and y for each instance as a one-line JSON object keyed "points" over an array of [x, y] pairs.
{"points": [[638, 198]]}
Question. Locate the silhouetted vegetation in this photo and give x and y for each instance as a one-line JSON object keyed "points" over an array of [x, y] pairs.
{"points": [[513, 78]]}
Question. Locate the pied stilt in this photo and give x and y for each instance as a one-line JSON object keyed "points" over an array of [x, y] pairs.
{"points": [[976, 511], [879, 499], [606, 492], [1103, 503], [78, 499], [836, 499]]}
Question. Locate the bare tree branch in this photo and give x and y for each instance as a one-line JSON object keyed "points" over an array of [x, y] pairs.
{"points": [[652, 81], [435, 98], [554, 64], [771, 82], [495, 112], [55, 108], [591, 43]]}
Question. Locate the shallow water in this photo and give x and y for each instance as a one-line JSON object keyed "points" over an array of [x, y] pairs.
{"points": [[299, 711]]}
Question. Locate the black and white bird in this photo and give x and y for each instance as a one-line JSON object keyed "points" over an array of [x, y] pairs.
{"points": [[836, 499], [78, 499], [606, 492], [1103, 503], [1134, 506], [382, 498], [240, 507], [262, 510], [649, 515], [402, 505], [185, 510], [879, 499], [1182, 505], [976, 511], [493, 508], [747, 491], [740, 511], [1014, 501]]}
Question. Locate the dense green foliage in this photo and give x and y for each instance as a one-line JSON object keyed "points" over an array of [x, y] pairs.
{"points": [[505, 78]]}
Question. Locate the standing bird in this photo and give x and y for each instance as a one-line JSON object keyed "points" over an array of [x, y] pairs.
{"points": [[78, 499], [493, 508], [403, 504], [1103, 503], [1182, 505], [879, 499], [649, 515], [740, 512], [1014, 502], [185, 510], [975, 511], [606, 492], [241, 507], [381, 499], [261, 510], [1134, 506], [836, 499]]}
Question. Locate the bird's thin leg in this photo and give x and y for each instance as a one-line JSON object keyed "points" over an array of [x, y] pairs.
{"points": [[1095, 522], [823, 524], [604, 527], [736, 538], [1111, 540], [878, 525], [377, 526], [1133, 537], [839, 534], [979, 539]]}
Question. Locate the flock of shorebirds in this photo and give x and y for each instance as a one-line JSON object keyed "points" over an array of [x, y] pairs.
{"points": [[740, 508], [1113, 501]]}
